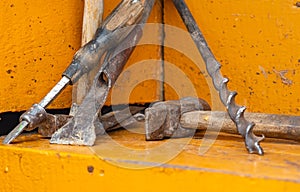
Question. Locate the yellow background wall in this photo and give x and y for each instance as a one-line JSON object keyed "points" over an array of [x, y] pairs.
{"points": [[256, 41], [37, 42], [151, 89]]}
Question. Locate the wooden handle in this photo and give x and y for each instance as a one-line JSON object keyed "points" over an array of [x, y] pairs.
{"points": [[92, 18], [269, 125]]}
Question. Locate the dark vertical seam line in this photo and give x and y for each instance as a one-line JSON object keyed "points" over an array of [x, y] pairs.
{"points": [[162, 50]]}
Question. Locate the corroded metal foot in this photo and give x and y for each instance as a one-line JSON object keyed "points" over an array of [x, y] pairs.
{"points": [[74, 135]]}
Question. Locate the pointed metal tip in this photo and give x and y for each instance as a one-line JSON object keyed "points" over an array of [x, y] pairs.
{"points": [[15, 132], [252, 141]]}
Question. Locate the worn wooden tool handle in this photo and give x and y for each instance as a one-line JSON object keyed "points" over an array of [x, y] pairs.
{"points": [[269, 125]]}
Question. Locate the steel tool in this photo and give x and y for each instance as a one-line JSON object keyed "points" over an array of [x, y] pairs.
{"points": [[125, 117], [181, 118], [236, 112], [162, 119], [110, 34], [81, 129]]}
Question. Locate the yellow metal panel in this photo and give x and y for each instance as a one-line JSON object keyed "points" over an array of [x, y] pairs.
{"points": [[257, 43], [132, 87], [37, 42], [34, 165]]}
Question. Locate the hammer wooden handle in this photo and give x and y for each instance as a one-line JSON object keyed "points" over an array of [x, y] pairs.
{"points": [[269, 125]]}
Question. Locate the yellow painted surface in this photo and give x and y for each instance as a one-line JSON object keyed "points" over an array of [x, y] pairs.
{"points": [[138, 81], [34, 165], [37, 42], [257, 42]]}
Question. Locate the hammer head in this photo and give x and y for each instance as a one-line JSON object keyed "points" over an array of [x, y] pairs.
{"points": [[162, 120]]}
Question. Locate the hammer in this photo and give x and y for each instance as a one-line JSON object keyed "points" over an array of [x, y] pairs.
{"points": [[181, 118]]}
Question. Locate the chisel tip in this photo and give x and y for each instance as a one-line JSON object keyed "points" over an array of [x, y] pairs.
{"points": [[15, 132]]}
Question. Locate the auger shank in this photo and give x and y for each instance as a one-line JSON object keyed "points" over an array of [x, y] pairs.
{"points": [[236, 112]]}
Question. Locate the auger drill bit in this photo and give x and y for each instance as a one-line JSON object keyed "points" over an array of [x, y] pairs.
{"points": [[113, 31], [236, 112]]}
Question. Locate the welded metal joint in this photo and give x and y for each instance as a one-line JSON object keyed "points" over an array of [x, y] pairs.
{"points": [[35, 116], [47, 124]]}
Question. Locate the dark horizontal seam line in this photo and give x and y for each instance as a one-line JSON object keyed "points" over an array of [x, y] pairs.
{"points": [[190, 168]]}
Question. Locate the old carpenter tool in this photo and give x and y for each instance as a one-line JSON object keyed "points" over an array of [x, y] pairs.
{"points": [[81, 129], [236, 112], [113, 31], [162, 120], [109, 121], [125, 116], [269, 125], [182, 117]]}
